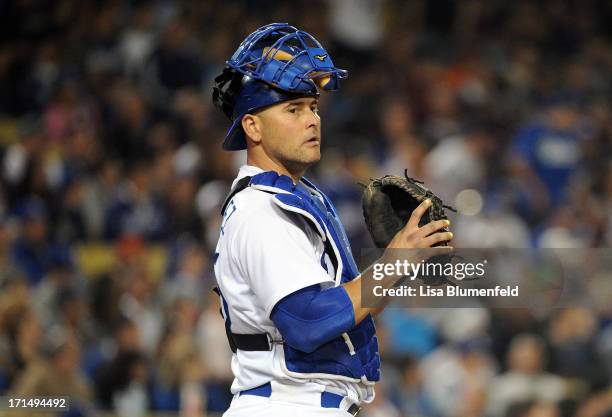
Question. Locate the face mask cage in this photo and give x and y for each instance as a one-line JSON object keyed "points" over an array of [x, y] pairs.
{"points": [[287, 58]]}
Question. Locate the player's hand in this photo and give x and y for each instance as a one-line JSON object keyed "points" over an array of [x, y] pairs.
{"points": [[412, 236]]}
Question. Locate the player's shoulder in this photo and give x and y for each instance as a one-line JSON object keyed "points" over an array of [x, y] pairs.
{"points": [[255, 211], [258, 209], [251, 200], [255, 207]]}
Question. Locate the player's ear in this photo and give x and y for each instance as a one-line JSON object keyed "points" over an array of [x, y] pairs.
{"points": [[251, 124]]}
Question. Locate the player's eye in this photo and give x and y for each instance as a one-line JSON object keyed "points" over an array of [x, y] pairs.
{"points": [[292, 109]]}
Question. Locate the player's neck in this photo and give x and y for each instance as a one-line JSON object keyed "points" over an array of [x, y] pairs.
{"points": [[268, 164]]}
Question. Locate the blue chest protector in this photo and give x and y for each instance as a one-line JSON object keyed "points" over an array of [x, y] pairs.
{"points": [[355, 354]]}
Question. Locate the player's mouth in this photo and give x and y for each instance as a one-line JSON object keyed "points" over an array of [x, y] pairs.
{"points": [[314, 141]]}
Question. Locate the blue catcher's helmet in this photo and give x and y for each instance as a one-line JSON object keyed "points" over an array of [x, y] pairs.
{"points": [[276, 63]]}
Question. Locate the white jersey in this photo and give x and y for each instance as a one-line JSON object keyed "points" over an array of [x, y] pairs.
{"points": [[263, 255]]}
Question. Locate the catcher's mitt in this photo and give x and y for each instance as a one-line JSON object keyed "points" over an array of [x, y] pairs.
{"points": [[389, 201]]}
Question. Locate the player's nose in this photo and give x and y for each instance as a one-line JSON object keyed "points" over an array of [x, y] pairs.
{"points": [[313, 119]]}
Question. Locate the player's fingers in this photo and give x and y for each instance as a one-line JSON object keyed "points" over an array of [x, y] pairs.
{"points": [[437, 238], [438, 251], [415, 217], [434, 226]]}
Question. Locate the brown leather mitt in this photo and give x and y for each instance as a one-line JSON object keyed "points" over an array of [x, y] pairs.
{"points": [[389, 201]]}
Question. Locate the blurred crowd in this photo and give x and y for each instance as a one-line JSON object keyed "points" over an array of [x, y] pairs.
{"points": [[112, 176]]}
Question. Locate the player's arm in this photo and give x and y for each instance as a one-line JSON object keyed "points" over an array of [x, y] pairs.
{"points": [[410, 237]]}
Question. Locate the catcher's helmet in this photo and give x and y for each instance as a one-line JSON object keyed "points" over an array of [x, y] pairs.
{"points": [[277, 62]]}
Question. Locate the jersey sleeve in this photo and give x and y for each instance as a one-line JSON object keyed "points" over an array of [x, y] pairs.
{"points": [[278, 253]]}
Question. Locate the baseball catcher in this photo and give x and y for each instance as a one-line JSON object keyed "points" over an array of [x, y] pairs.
{"points": [[289, 287]]}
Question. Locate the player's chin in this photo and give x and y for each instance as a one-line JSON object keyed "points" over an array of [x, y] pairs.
{"points": [[310, 152], [312, 156]]}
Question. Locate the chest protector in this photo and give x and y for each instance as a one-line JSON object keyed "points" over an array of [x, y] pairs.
{"points": [[354, 355]]}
